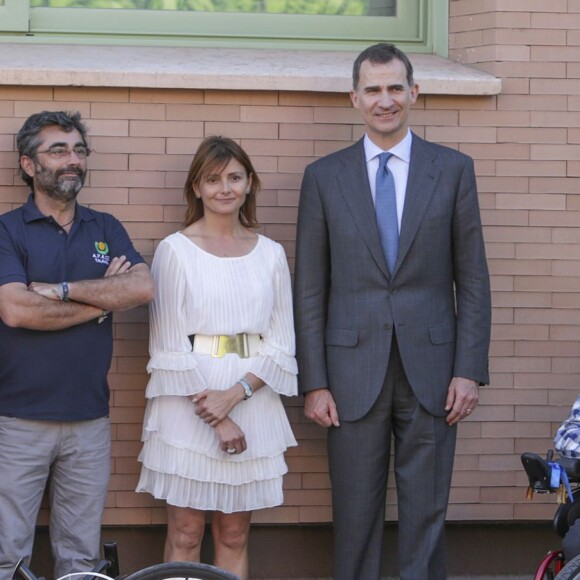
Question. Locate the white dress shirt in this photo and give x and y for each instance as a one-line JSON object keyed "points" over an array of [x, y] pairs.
{"points": [[398, 166]]}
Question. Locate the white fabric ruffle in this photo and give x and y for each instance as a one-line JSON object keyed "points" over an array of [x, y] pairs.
{"points": [[196, 292]]}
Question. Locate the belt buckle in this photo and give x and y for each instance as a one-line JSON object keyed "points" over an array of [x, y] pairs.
{"points": [[238, 344]]}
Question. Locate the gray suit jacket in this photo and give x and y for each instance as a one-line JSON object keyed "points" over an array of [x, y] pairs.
{"points": [[347, 305]]}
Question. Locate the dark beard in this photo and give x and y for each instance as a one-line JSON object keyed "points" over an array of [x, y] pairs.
{"points": [[59, 188]]}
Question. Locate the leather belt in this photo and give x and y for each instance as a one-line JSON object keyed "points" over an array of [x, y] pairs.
{"points": [[244, 345]]}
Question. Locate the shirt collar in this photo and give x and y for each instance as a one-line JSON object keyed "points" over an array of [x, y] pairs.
{"points": [[402, 149], [31, 213]]}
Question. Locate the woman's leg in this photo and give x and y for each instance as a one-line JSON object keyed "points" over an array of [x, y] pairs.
{"points": [[230, 536], [185, 528]]}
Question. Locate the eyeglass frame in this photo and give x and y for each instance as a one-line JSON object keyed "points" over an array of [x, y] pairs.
{"points": [[66, 151]]}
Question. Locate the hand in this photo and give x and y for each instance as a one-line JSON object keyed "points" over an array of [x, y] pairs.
{"points": [[118, 265], [319, 406], [214, 406], [462, 398], [50, 291], [230, 436]]}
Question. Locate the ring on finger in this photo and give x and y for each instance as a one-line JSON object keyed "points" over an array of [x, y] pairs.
{"points": [[231, 450]]}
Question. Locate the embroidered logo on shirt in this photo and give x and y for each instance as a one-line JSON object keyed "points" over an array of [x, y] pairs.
{"points": [[102, 257]]}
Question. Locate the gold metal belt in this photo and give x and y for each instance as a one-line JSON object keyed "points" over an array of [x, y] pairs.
{"points": [[244, 345]]}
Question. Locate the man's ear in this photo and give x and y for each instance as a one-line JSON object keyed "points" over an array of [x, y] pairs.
{"points": [[354, 98], [27, 165]]}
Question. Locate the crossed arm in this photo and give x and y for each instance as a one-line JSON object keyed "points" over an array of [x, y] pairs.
{"points": [[40, 307]]}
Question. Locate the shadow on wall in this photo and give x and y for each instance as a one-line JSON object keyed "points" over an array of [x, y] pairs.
{"points": [[306, 551]]}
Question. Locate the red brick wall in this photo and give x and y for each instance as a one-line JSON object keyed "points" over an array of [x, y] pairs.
{"points": [[526, 146], [527, 163]]}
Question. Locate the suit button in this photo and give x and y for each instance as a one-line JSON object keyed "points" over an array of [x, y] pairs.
{"points": [[388, 326]]}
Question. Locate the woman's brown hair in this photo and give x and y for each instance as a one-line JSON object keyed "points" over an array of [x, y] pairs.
{"points": [[213, 155]]}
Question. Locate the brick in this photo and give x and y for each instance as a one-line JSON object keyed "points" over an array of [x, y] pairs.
{"points": [[255, 98], [564, 332], [24, 108], [101, 94], [126, 516], [522, 299], [150, 162], [501, 348], [105, 161], [466, 39], [243, 130], [276, 114], [294, 164], [180, 146], [543, 283], [532, 102], [319, 131], [512, 397], [315, 514], [558, 21], [483, 21], [503, 218], [222, 113], [103, 179], [556, 219], [531, 168], [552, 316], [332, 115], [497, 151], [277, 147], [461, 134], [149, 95], [514, 85], [124, 145], [529, 36], [308, 99], [568, 86], [25, 93], [533, 71], [531, 201], [567, 151], [502, 284], [565, 300], [104, 195], [127, 111], [502, 316], [138, 128], [520, 364]]}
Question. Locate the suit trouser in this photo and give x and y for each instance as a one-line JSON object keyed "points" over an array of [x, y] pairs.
{"points": [[75, 459], [359, 455]]}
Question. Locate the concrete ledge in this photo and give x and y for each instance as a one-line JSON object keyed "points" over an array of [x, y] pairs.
{"points": [[217, 68]]}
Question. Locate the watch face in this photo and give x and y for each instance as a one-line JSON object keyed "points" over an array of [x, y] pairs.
{"points": [[247, 389]]}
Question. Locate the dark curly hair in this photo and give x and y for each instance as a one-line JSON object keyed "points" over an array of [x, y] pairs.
{"points": [[28, 138]]}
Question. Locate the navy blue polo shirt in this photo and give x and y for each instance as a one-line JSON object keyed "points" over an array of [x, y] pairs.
{"points": [[57, 375]]}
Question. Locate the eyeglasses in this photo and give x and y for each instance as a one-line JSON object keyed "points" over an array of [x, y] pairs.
{"points": [[60, 152]]}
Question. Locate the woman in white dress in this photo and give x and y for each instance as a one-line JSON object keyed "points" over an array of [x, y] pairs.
{"points": [[222, 352]]}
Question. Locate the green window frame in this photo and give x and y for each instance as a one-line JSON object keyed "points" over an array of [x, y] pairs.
{"points": [[420, 26]]}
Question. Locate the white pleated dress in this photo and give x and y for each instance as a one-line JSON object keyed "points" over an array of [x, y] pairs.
{"points": [[199, 293]]}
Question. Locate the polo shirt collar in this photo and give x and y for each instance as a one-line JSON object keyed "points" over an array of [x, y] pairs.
{"points": [[31, 213]]}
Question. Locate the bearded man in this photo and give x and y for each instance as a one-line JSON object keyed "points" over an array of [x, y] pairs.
{"points": [[63, 269]]}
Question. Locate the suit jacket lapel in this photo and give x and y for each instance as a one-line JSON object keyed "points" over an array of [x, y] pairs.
{"points": [[421, 182], [353, 182]]}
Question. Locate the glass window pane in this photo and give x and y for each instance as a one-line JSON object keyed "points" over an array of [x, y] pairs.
{"points": [[320, 7]]}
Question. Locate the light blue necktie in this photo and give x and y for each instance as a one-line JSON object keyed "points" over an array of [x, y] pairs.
{"points": [[386, 208]]}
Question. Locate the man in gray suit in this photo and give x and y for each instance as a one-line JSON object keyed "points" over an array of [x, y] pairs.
{"points": [[395, 350]]}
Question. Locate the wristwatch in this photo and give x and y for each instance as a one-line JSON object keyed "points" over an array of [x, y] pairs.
{"points": [[248, 391]]}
